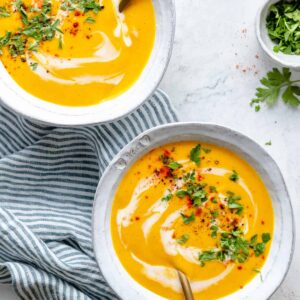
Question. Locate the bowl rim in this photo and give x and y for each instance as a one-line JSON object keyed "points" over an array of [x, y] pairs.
{"points": [[270, 53], [124, 152], [44, 112]]}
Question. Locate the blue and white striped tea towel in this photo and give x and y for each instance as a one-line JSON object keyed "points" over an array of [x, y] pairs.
{"points": [[48, 178]]}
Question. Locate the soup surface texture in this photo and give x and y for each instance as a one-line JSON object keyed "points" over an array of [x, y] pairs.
{"points": [[75, 52], [197, 208]]}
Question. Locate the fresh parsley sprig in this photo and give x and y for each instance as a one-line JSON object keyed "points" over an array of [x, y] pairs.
{"points": [[277, 83]]}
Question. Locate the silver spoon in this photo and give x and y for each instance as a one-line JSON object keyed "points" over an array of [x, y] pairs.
{"points": [[186, 286], [123, 4]]}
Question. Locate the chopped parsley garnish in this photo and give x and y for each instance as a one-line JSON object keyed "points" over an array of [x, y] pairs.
{"points": [[206, 150], [266, 237], [195, 191], [259, 272], [39, 25], [273, 83], [207, 256], [183, 239], [215, 213], [233, 203], [214, 231], [259, 249], [82, 5], [234, 176], [4, 13], [90, 20], [34, 66], [195, 155], [174, 165], [190, 176], [284, 27], [269, 143], [188, 219], [234, 247], [167, 198], [213, 189], [169, 162], [181, 194]]}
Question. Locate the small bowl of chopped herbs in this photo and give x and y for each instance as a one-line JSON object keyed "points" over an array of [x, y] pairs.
{"points": [[278, 31]]}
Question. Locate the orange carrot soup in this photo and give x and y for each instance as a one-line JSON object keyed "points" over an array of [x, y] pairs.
{"points": [[75, 52], [198, 208]]}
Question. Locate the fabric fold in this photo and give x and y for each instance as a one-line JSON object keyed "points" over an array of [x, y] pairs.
{"points": [[48, 178]]}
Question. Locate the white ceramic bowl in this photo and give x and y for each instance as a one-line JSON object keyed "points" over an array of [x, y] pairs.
{"points": [[282, 247], [14, 97], [291, 61]]}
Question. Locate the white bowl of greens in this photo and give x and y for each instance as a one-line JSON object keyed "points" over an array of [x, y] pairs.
{"points": [[278, 31]]}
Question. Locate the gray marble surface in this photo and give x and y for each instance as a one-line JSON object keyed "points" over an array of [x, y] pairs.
{"points": [[215, 68]]}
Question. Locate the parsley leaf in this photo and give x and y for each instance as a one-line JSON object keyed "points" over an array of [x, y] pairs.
{"points": [[206, 150], [188, 219], [181, 194], [259, 249], [234, 176], [214, 231], [90, 20], [269, 143], [207, 256], [275, 82], [266, 237], [34, 66], [167, 198], [213, 189], [4, 13], [233, 203], [183, 239], [174, 165], [195, 155]]}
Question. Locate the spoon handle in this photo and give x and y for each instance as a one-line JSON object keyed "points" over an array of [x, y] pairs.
{"points": [[123, 4], [186, 287]]}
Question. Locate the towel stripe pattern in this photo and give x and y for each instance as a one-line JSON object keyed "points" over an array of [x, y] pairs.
{"points": [[48, 178]]}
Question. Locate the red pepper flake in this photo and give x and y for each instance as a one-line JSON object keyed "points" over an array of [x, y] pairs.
{"points": [[198, 211], [221, 206], [137, 218], [167, 153], [262, 222], [165, 171], [75, 25], [189, 202], [240, 267], [199, 177], [235, 221], [241, 287], [77, 13]]}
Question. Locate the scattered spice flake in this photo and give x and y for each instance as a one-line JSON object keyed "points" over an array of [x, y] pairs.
{"points": [[165, 171]]}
